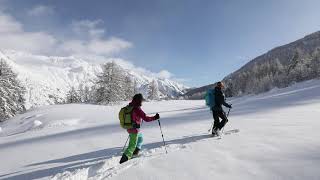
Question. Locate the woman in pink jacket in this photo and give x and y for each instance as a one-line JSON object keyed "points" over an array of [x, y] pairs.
{"points": [[135, 136]]}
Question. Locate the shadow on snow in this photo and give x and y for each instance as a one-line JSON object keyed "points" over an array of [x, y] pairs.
{"points": [[80, 161]]}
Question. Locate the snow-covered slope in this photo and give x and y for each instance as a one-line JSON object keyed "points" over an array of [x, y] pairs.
{"points": [[48, 79], [270, 136], [280, 67]]}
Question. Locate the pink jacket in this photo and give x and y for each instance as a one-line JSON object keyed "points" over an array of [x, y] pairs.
{"points": [[138, 115]]}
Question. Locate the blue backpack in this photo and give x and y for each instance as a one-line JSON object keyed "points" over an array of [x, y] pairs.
{"points": [[210, 98]]}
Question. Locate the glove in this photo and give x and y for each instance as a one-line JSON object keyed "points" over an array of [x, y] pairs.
{"points": [[157, 116], [230, 106]]}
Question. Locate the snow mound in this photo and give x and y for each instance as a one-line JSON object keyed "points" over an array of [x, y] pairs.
{"points": [[36, 123], [64, 122], [55, 117], [23, 127]]}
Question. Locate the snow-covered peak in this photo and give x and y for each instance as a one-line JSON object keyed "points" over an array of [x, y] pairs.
{"points": [[49, 78]]}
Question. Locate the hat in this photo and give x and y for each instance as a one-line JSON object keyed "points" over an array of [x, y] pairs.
{"points": [[220, 84], [138, 97]]}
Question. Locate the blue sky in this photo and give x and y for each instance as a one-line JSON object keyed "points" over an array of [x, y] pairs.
{"points": [[198, 42]]}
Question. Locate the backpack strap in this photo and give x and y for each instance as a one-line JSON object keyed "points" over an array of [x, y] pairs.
{"points": [[134, 124]]}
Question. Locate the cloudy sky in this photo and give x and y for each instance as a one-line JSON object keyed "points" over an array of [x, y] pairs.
{"points": [[197, 42]]}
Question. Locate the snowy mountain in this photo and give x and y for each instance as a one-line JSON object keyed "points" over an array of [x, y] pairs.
{"points": [[48, 79], [269, 136], [278, 68], [197, 93]]}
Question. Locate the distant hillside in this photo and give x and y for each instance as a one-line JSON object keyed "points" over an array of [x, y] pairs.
{"points": [[197, 93], [278, 68]]}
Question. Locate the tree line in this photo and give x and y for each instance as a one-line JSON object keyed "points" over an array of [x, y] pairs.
{"points": [[274, 71], [11, 92], [114, 84]]}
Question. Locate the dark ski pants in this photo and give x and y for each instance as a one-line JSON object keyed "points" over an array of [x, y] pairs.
{"points": [[219, 114]]}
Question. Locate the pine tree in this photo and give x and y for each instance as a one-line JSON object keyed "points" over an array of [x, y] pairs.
{"points": [[86, 98], [135, 87], [129, 87], [153, 91], [111, 84], [11, 93], [84, 94], [73, 96]]}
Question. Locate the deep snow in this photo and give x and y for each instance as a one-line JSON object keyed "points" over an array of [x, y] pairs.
{"points": [[269, 136]]}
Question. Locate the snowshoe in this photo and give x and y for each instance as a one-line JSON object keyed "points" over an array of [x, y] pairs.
{"points": [[136, 152], [123, 159], [215, 132]]}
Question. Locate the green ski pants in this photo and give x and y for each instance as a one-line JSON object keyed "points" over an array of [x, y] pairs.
{"points": [[136, 140]]}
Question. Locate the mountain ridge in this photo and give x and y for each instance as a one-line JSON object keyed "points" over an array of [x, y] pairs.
{"points": [[49, 78], [277, 68]]}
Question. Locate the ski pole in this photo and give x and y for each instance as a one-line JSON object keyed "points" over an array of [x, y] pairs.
{"points": [[228, 112], [125, 144], [164, 143]]}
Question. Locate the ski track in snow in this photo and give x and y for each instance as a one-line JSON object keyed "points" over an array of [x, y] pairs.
{"points": [[111, 167]]}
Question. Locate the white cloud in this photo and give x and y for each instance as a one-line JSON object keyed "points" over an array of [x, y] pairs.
{"points": [[31, 42], [88, 28], [12, 36], [40, 10], [164, 74], [8, 24], [73, 47], [94, 46], [112, 45], [88, 39]]}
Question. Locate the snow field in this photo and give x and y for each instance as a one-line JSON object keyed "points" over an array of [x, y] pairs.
{"points": [[269, 136]]}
